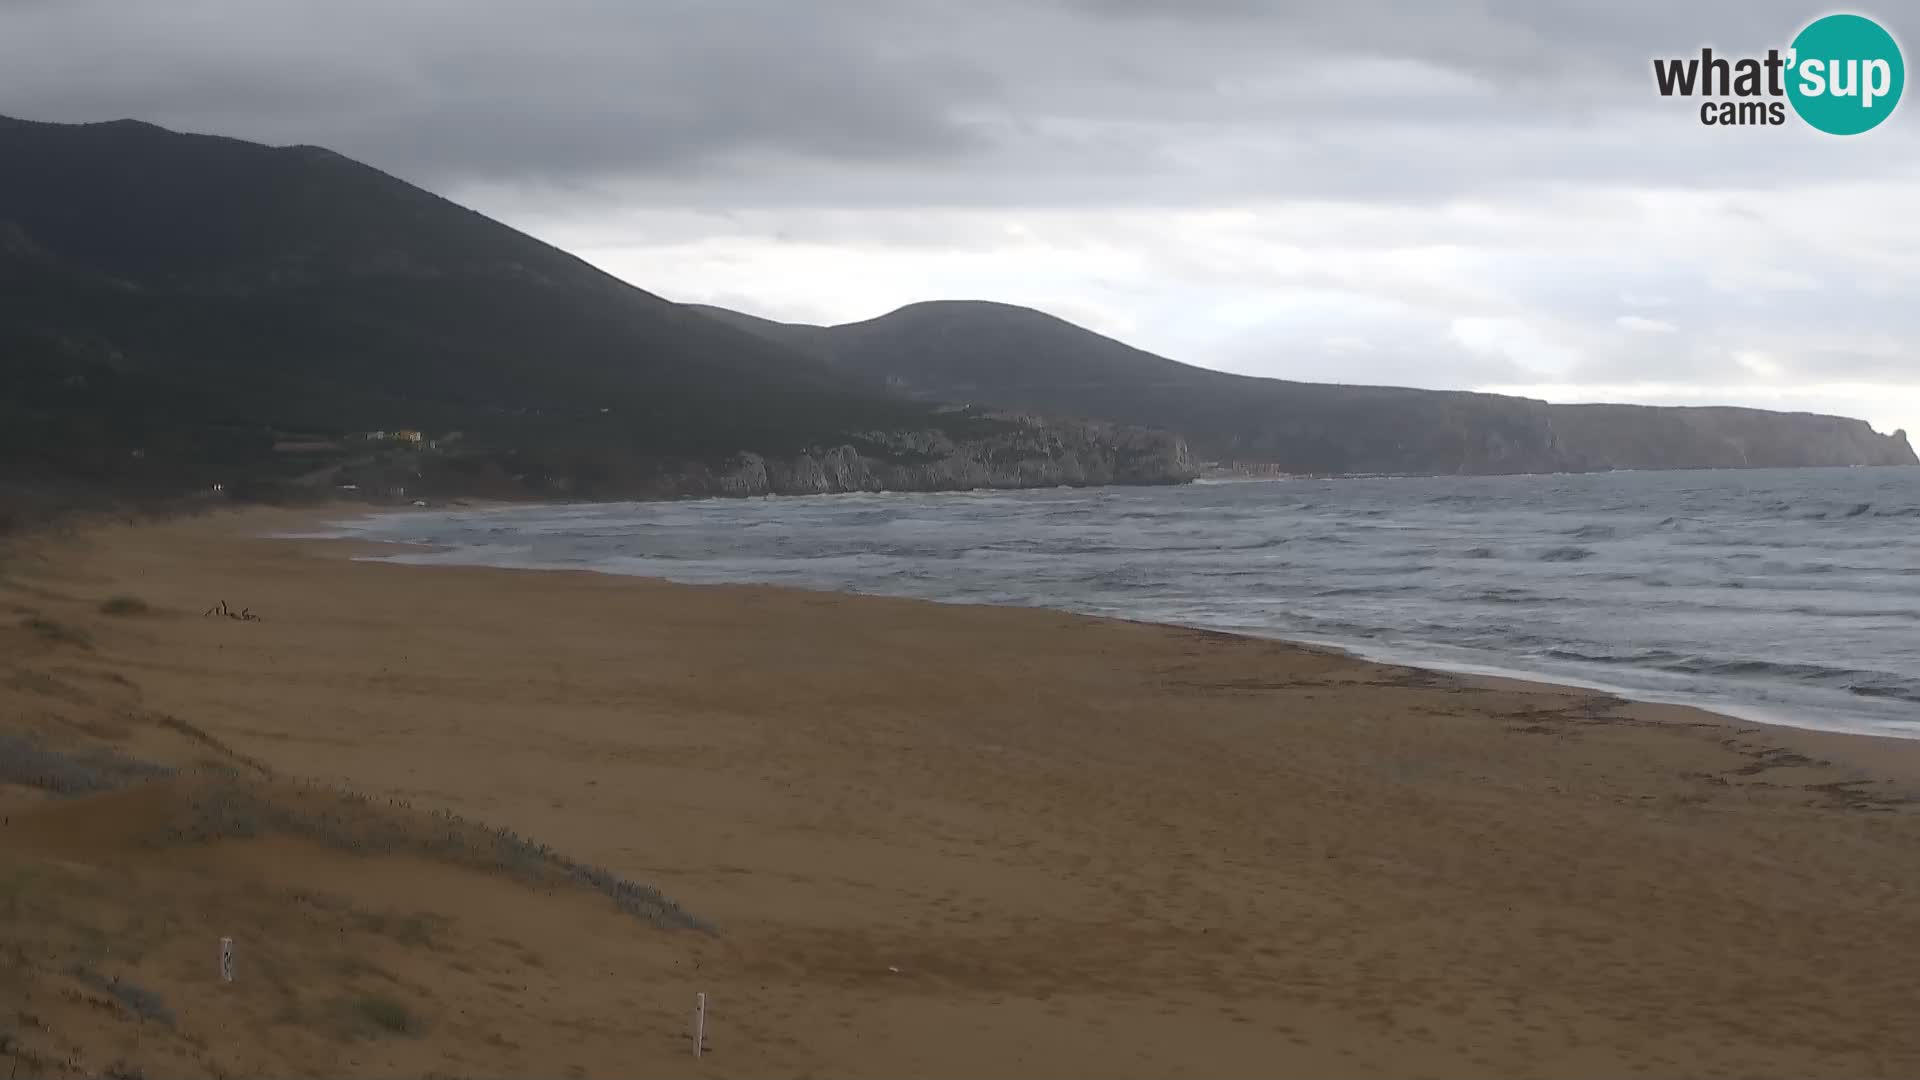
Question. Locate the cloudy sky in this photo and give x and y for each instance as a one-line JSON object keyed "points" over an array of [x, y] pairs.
{"points": [[1482, 195]]}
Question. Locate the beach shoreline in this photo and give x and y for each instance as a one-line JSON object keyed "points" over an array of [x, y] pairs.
{"points": [[342, 528], [932, 839]]}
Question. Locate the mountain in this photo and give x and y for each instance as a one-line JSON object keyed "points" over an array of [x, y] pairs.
{"points": [[181, 308], [1007, 357]]}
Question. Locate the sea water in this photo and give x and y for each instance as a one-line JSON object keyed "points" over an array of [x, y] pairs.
{"points": [[1785, 596]]}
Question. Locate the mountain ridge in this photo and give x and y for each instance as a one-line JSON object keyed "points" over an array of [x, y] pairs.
{"points": [[1006, 356], [181, 310], [176, 308]]}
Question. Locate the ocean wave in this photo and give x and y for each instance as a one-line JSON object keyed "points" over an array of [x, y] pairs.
{"points": [[1896, 690], [1796, 568], [1861, 682], [1640, 657], [1367, 590], [1812, 611], [1567, 554], [1854, 511], [1514, 596]]}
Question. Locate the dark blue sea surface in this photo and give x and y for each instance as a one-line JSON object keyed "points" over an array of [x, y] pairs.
{"points": [[1786, 596]]}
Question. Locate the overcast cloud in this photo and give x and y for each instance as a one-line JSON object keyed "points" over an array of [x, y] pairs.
{"points": [[1477, 195]]}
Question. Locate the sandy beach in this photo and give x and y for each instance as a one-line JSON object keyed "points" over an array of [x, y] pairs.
{"points": [[923, 840]]}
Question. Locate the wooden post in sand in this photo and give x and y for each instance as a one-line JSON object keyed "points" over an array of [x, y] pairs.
{"points": [[699, 1022], [226, 959]]}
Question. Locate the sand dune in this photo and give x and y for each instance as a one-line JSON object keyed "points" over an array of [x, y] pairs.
{"points": [[929, 841]]}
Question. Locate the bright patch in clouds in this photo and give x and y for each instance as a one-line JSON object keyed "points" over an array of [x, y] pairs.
{"points": [[1643, 325], [1759, 363]]}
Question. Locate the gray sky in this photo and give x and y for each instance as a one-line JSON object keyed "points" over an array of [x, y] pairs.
{"points": [[1483, 195]]}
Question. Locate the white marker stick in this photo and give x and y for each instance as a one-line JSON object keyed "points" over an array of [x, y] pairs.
{"points": [[226, 959], [699, 1022]]}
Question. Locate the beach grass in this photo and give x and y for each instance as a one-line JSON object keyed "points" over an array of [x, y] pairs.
{"points": [[387, 1014], [71, 773], [228, 806], [142, 1002]]}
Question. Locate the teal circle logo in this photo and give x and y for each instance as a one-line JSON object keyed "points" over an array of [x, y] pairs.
{"points": [[1846, 74]]}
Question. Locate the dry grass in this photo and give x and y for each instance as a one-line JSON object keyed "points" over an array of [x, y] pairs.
{"points": [[221, 804], [132, 840], [92, 942], [226, 806]]}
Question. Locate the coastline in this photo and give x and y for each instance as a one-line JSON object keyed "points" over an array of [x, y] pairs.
{"points": [[945, 840], [1432, 658]]}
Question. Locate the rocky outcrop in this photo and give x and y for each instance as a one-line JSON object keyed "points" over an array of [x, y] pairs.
{"points": [[1027, 452]]}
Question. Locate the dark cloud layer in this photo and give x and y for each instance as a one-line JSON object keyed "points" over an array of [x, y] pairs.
{"points": [[457, 91], [921, 101]]}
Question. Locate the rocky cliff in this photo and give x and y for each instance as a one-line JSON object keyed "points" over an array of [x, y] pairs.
{"points": [[1377, 430], [1591, 437], [974, 451], [1031, 452]]}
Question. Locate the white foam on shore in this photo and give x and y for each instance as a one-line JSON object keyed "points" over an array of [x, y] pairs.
{"points": [[1754, 714]]}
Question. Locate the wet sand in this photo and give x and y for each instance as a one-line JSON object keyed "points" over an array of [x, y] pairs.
{"points": [[931, 840]]}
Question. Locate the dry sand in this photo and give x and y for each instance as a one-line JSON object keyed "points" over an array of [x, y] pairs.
{"points": [[932, 841]]}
